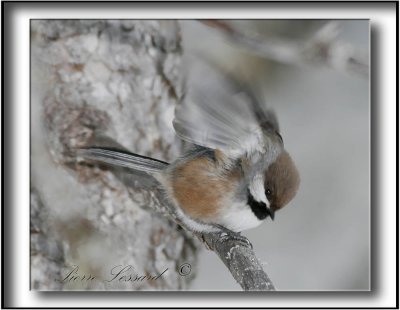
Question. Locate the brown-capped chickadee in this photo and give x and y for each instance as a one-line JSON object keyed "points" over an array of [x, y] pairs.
{"points": [[237, 173]]}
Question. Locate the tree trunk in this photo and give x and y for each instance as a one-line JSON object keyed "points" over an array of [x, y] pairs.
{"points": [[90, 79]]}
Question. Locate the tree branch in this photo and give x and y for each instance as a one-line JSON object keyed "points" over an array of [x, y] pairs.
{"points": [[323, 48], [241, 262]]}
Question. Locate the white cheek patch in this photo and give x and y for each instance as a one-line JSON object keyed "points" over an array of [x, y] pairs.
{"points": [[256, 188]]}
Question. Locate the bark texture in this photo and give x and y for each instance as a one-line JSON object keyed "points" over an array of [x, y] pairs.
{"points": [[89, 79]]}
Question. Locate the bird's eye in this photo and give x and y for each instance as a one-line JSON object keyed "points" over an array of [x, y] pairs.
{"points": [[268, 192]]}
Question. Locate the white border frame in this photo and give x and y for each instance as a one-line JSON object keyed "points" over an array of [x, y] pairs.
{"points": [[383, 18]]}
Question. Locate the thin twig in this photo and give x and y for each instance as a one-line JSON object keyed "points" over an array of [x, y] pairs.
{"points": [[241, 262]]}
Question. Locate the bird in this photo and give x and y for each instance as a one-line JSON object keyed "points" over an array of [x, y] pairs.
{"points": [[236, 172]]}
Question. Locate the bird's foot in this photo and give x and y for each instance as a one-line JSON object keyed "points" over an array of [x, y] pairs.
{"points": [[227, 234]]}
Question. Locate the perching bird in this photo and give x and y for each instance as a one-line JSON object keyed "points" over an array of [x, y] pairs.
{"points": [[237, 173]]}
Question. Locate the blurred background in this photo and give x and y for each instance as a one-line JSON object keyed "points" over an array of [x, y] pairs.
{"points": [[321, 241]]}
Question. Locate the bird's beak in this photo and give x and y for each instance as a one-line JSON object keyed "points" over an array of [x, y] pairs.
{"points": [[271, 213]]}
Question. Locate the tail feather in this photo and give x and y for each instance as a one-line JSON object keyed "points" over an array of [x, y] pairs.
{"points": [[123, 159]]}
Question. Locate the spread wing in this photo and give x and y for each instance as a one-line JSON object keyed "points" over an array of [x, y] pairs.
{"points": [[219, 112]]}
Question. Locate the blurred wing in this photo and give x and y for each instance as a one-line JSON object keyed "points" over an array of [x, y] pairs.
{"points": [[219, 112]]}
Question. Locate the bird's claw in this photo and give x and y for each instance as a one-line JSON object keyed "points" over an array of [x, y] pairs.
{"points": [[227, 235], [236, 237]]}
